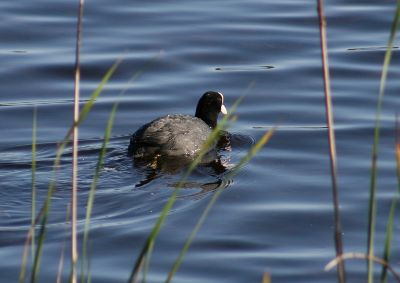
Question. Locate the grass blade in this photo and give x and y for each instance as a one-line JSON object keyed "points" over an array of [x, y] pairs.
{"points": [[375, 148], [332, 141], [388, 238], [28, 239], [390, 225], [62, 256], [90, 202], [31, 235], [38, 252], [267, 278], [93, 186], [252, 152], [33, 211], [60, 150]]}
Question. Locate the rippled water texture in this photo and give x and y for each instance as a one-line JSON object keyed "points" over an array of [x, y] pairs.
{"points": [[276, 215]]}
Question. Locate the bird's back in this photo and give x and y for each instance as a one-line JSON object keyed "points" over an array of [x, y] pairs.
{"points": [[171, 135]]}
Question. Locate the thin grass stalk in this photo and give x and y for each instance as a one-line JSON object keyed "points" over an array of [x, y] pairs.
{"points": [[33, 180], [375, 148], [38, 252], [390, 225], [28, 240], [22, 272], [347, 256], [93, 186], [156, 229], [61, 265], [90, 202], [331, 139], [397, 149], [147, 262], [252, 152], [266, 278], [62, 256], [74, 236], [140, 261], [388, 238], [27, 244], [43, 213]]}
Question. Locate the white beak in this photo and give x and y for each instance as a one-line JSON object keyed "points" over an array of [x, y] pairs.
{"points": [[223, 110]]}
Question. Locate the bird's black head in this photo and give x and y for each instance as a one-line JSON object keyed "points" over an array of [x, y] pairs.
{"points": [[209, 106]]}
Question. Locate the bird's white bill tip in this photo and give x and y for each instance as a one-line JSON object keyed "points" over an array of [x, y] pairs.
{"points": [[223, 110]]}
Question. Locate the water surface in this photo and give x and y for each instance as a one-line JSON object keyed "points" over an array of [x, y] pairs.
{"points": [[276, 215]]}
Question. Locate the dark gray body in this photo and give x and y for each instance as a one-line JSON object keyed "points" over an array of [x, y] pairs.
{"points": [[171, 135]]}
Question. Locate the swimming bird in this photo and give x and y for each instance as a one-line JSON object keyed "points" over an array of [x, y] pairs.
{"points": [[178, 136]]}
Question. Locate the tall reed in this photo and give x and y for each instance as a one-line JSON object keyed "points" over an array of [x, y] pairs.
{"points": [[42, 216], [393, 206], [369, 256], [85, 268], [331, 139], [90, 202], [74, 237], [375, 148], [33, 180], [62, 256]]}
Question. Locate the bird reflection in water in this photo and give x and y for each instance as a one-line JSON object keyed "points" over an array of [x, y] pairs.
{"points": [[213, 164]]}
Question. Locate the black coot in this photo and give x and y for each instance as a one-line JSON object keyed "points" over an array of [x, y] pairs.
{"points": [[177, 135]]}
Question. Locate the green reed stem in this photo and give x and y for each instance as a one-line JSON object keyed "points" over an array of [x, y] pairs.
{"points": [[93, 186], [252, 152], [43, 214], [38, 252], [33, 180], [147, 261], [388, 238], [375, 148], [331, 139], [107, 135], [393, 206], [62, 256]]}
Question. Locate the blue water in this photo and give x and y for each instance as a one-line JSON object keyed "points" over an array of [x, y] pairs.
{"points": [[276, 215]]}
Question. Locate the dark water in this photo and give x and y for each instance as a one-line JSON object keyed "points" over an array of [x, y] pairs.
{"points": [[276, 215]]}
